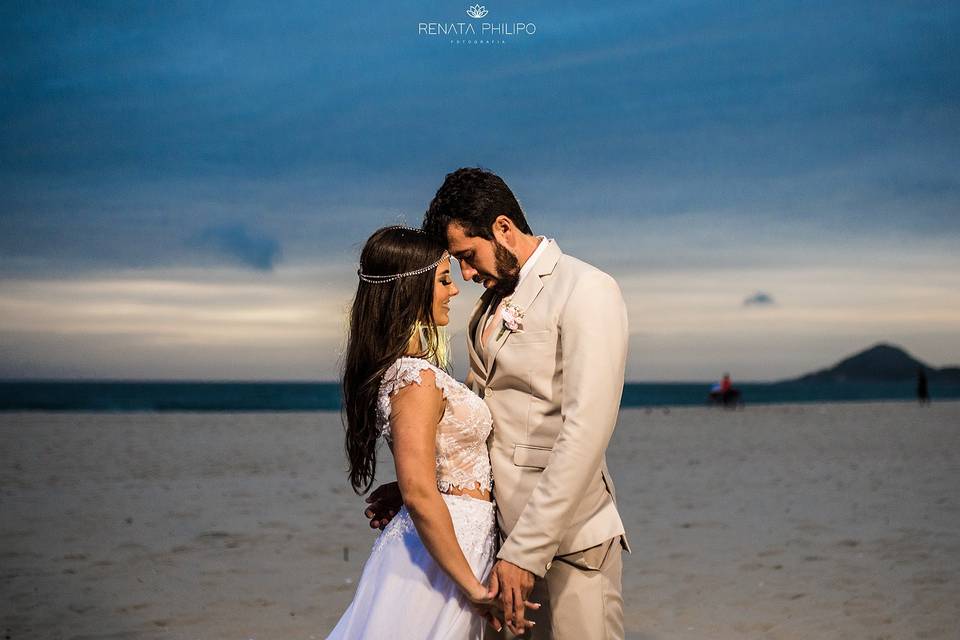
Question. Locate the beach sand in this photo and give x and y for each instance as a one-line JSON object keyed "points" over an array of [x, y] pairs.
{"points": [[817, 521]]}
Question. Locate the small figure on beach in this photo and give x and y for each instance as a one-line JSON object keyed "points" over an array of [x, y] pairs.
{"points": [[724, 394], [923, 392]]}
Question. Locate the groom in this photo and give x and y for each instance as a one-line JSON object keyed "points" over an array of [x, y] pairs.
{"points": [[547, 343]]}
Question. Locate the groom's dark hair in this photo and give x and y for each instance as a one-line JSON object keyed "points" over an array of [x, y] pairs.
{"points": [[473, 198]]}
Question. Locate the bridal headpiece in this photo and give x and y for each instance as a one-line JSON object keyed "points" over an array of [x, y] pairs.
{"points": [[377, 279]]}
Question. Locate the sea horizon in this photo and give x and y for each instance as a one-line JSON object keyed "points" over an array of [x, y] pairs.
{"points": [[241, 396]]}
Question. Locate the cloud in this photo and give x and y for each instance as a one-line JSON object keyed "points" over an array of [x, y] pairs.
{"points": [[250, 248], [766, 138], [116, 148], [759, 299]]}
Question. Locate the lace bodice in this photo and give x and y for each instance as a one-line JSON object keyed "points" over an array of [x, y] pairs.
{"points": [[462, 458]]}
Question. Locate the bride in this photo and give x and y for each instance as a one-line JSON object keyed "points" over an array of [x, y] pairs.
{"points": [[425, 575]]}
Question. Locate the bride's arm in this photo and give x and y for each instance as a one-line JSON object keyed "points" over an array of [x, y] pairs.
{"points": [[415, 411]]}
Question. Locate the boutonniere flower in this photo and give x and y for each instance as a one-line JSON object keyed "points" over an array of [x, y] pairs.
{"points": [[512, 317]]}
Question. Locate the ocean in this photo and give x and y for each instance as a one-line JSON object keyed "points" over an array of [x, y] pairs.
{"points": [[123, 396]]}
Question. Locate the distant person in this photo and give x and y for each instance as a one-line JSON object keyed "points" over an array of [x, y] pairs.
{"points": [[725, 384], [923, 393], [723, 393]]}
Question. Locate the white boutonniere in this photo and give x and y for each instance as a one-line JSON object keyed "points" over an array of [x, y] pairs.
{"points": [[512, 317]]}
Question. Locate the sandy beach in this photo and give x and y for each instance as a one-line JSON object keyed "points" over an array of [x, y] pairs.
{"points": [[790, 522]]}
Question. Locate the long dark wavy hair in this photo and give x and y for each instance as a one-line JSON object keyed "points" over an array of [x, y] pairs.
{"points": [[383, 318]]}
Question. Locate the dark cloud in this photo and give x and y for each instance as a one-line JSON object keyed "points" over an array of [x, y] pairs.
{"points": [[125, 127], [248, 247], [759, 299]]}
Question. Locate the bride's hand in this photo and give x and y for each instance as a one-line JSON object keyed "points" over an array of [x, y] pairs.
{"points": [[480, 595], [483, 601]]}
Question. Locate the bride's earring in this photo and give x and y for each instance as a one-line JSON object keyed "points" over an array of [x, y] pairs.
{"points": [[443, 347], [417, 336]]}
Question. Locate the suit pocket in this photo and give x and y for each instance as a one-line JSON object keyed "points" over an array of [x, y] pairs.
{"points": [[525, 455], [530, 337]]}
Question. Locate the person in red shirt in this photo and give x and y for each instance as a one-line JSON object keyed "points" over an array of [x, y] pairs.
{"points": [[725, 384]]}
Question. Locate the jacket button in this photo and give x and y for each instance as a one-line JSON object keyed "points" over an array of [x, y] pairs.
{"points": [[549, 564]]}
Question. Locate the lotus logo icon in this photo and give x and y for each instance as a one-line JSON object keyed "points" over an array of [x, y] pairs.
{"points": [[477, 11]]}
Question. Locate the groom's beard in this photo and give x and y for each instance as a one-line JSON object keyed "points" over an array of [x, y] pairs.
{"points": [[508, 270]]}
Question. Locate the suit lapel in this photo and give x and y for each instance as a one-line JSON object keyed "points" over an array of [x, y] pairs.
{"points": [[474, 328], [522, 298]]}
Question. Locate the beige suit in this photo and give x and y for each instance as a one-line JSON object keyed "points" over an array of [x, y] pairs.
{"points": [[554, 391]]}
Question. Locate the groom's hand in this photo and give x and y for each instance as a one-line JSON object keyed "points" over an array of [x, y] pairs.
{"points": [[491, 614], [383, 503], [515, 585]]}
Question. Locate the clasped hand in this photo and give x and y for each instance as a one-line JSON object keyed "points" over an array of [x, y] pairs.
{"points": [[487, 605], [505, 596], [511, 585]]}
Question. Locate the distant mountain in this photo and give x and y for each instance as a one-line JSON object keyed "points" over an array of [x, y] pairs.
{"points": [[880, 363]]}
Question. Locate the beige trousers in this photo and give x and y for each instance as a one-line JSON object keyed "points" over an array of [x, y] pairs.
{"points": [[581, 596]]}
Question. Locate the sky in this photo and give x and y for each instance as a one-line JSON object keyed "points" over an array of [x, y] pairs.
{"points": [[185, 186]]}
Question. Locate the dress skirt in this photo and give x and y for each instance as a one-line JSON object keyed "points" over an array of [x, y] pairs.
{"points": [[404, 595]]}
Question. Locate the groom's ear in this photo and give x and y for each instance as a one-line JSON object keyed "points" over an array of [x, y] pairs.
{"points": [[502, 226]]}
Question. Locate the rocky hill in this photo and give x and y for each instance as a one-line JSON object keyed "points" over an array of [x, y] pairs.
{"points": [[880, 363]]}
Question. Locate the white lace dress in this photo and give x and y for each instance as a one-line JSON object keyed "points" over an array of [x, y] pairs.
{"points": [[403, 593]]}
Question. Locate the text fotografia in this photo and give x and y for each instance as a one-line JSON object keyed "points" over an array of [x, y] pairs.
{"points": [[469, 29]]}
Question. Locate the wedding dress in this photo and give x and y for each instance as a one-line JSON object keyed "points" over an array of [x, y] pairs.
{"points": [[403, 593]]}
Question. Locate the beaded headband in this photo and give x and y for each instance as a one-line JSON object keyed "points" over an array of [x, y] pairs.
{"points": [[375, 279]]}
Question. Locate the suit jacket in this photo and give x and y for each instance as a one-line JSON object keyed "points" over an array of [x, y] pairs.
{"points": [[554, 391]]}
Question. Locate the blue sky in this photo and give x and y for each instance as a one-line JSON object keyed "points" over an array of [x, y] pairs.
{"points": [[184, 186]]}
